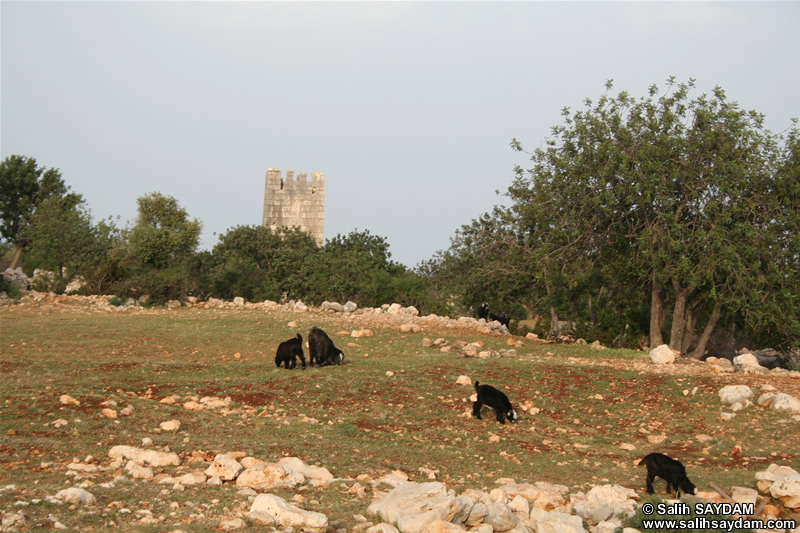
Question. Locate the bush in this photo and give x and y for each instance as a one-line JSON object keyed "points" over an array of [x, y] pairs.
{"points": [[158, 286], [12, 291]]}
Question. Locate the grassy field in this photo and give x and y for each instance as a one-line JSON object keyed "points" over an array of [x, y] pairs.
{"points": [[393, 405]]}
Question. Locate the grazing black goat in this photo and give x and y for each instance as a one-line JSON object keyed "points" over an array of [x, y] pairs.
{"points": [[502, 318], [668, 469], [289, 351], [495, 399], [321, 349]]}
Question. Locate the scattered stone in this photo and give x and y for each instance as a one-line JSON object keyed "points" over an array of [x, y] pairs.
{"points": [[557, 522], [782, 483], [662, 355], [192, 478], [137, 471], [224, 467], [11, 521], [286, 515], [151, 457], [170, 425], [66, 399], [735, 394], [314, 474], [266, 476], [501, 517], [605, 502], [75, 495], [232, 524], [784, 402]]}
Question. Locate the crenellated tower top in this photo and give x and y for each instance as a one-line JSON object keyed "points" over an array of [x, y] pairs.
{"points": [[295, 201]]}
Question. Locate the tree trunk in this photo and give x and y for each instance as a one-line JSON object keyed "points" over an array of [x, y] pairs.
{"points": [[712, 321], [554, 329], [679, 314], [571, 322], [530, 312], [17, 255], [657, 315], [691, 323]]}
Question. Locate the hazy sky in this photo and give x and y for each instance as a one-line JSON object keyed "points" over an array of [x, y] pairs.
{"points": [[407, 108]]}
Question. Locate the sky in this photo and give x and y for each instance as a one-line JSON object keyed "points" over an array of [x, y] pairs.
{"points": [[408, 108]]}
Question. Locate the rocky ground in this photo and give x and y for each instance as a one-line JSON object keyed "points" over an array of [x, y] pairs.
{"points": [[392, 502]]}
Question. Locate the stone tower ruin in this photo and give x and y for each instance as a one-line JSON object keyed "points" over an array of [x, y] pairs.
{"points": [[295, 202]]}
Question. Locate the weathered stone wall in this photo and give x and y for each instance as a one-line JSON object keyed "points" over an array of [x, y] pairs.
{"points": [[296, 201]]}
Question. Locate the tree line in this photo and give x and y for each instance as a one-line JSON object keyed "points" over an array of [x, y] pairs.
{"points": [[156, 258], [668, 218]]}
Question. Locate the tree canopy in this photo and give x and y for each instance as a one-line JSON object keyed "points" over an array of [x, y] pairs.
{"points": [[687, 193], [163, 235], [680, 205], [23, 187]]}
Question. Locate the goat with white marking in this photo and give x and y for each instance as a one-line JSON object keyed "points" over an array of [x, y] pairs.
{"points": [[495, 399]]}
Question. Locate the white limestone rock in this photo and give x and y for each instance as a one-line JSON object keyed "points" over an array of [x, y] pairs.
{"points": [[383, 527], [785, 402], [541, 495], [557, 522], [266, 476], [170, 425], [314, 474], [287, 515], [783, 483], [662, 355], [75, 495], [225, 467], [604, 502], [732, 394], [501, 517], [151, 457]]}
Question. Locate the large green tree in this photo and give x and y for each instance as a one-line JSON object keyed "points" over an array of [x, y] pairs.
{"points": [[62, 238], [680, 192], [258, 263], [156, 253], [23, 187], [163, 235]]}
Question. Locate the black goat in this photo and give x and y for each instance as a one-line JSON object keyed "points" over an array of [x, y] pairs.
{"points": [[483, 311], [321, 350], [670, 470], [502, 318], [495, 399], [289, 351]]}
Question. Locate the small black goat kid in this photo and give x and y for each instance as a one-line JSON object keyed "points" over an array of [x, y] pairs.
{"points": [[321, 350], [289, 351], [669, 469], [495, 399], [502, 318]]}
